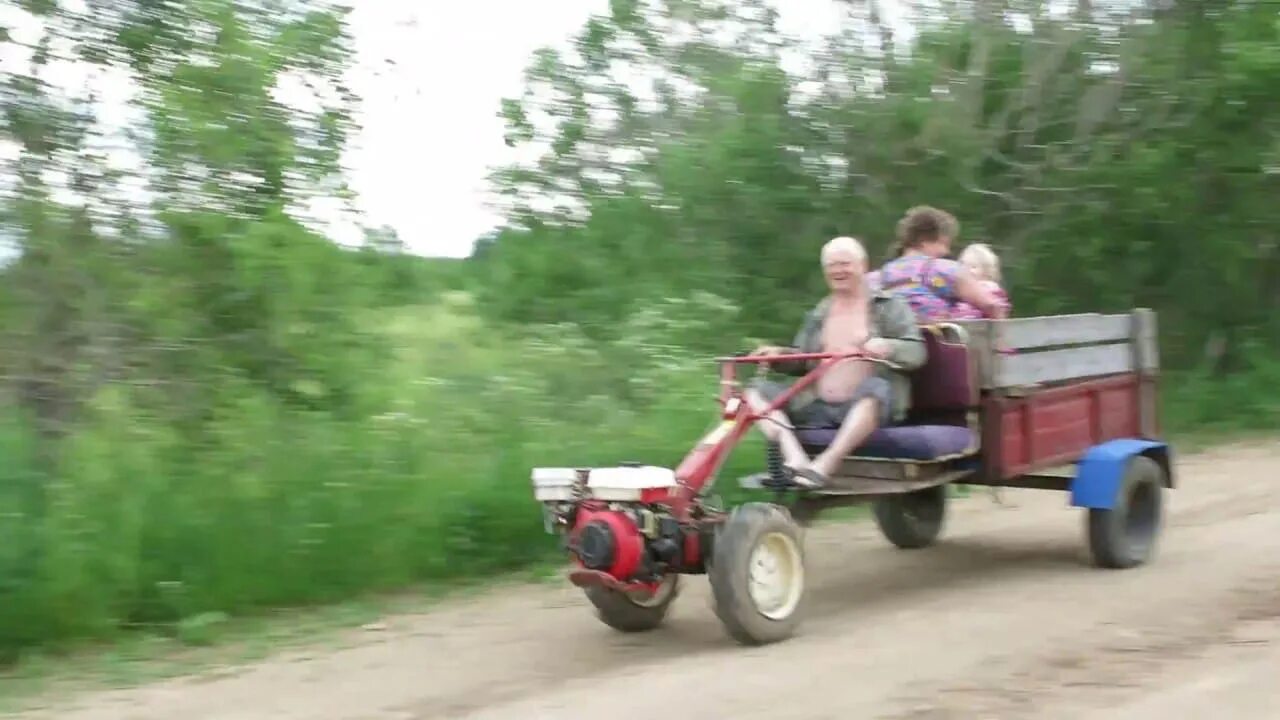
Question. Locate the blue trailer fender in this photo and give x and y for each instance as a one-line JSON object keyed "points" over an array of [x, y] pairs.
{"points": [[1098, 474]]}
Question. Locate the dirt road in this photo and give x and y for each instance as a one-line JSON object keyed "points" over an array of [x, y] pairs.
{"points": [[1003, 619]]}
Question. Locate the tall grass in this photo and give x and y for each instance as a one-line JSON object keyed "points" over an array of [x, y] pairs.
{"points": [[136, 526]]}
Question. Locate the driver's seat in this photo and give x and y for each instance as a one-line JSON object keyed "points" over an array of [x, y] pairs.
{"points": [[944, 398]]}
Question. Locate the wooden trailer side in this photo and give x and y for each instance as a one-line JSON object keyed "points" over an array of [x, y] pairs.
{"points": [[1053, 387]]}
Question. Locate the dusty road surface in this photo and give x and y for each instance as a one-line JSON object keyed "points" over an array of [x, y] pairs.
{"points": [[1003, 619]]}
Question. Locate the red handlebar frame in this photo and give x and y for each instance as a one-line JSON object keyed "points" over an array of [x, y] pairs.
{"points": [[790, 357], [699, 468]]}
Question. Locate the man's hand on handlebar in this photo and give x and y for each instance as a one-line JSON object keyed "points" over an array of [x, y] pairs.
{"points": [[770, 350]]}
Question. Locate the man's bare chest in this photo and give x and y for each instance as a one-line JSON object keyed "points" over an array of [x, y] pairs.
{"points": [[844, 330]]}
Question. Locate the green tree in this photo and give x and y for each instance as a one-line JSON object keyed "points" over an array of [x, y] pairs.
{"points": [[1114, 157]]}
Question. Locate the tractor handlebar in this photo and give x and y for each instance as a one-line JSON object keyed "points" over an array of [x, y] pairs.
{"points": [[749, 359]]}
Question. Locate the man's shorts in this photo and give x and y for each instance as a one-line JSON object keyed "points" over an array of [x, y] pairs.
{"points": [[807, 410]]}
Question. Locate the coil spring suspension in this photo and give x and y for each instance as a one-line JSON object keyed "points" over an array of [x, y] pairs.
{"points": [[773, 463]]}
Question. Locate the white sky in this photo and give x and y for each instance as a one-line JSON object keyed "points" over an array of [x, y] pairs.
{"points": [[431, 130], [429, 127], [429, 123]]}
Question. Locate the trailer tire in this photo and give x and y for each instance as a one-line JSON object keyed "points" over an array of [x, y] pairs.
{"points": [[1124, 536], [624, 613], [912, 520], [757, 574]]}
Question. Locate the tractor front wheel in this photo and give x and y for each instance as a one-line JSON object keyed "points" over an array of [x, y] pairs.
{"points": [[757, 574], [631, 612]]}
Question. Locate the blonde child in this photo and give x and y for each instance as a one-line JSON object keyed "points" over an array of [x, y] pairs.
{"points": [[984, 264]]}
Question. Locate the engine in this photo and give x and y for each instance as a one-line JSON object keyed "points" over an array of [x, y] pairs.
{"points": [[611, 540], [612, 521]]}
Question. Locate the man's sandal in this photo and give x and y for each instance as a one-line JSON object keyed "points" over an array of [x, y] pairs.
{"points": [[807, 478]]}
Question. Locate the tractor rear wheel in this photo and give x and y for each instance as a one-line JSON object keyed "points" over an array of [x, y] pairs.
{"points": [[912, 520], [1124, 536]]}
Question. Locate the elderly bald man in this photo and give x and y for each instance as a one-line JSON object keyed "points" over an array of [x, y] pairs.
{"points": [[854, 395]]}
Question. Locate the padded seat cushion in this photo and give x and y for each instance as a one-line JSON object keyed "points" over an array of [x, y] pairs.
{"points": [[901, 442]]}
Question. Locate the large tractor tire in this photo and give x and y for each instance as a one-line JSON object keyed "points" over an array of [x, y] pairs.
{"points": [[757, 574]]}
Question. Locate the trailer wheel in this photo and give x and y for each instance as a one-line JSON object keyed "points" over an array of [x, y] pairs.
{"points": [[625, 612], [912, 520], [1125, 535], [757, 574]]}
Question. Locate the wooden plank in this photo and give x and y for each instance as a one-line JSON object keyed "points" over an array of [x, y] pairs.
{"points": [[1031, 481], [1068, 364], [991, 339], [1145, 347], [1146, 360], [1052, 330], [842, 486], [1087, 386], [1030, 428], [1069, 419], [855, 467], [993, 456], [1148, 420], [980, 348]]}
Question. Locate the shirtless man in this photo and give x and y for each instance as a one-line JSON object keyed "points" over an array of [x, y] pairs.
{"points": [[855, 395]]}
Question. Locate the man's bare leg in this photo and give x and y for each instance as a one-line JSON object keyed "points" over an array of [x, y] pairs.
{"points": [[857, 425], [777, 428]]}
